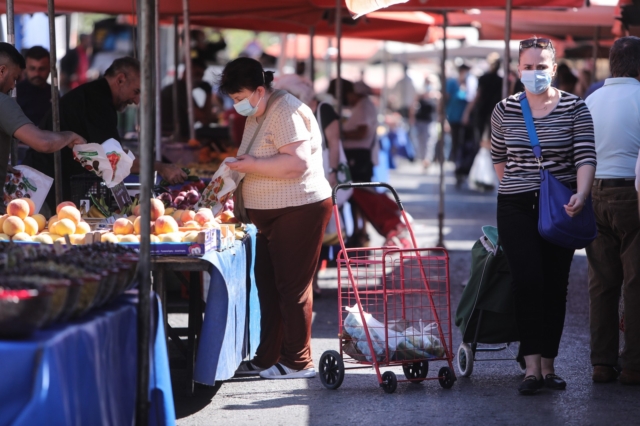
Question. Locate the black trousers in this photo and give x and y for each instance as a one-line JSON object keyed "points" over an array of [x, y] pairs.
{"points": [[540, 272]]}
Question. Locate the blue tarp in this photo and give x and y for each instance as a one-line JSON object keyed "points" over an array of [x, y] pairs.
{"points": [[226, 337], [84, 372]]}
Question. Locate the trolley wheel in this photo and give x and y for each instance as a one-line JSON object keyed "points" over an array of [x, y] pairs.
{"points": [[331, 370], [446, 377], [465, 360], [416, 370], [389, 382]]}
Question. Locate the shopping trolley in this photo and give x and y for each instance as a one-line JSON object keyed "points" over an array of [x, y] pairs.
{"points": [[393, 308]]}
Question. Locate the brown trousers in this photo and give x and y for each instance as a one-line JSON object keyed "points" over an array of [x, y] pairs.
{"points": [[287, 249], [614, 265]]}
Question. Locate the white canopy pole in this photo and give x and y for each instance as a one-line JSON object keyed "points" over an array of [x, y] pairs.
{"points": [[187, 67]]}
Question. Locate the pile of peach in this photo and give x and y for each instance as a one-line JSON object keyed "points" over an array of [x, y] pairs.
{"points": [[21, 223], [181, 226]]}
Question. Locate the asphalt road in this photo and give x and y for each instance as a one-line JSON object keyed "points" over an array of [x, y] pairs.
{"points": [[489, 396]]}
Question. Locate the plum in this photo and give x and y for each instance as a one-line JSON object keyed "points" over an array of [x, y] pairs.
{"points": [[178, 200], [193, 198]]}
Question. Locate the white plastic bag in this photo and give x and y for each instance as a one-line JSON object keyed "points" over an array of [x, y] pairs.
{"points": [[353, 325], [223, 183], [27, 183], [482, 176], [107, 160]]}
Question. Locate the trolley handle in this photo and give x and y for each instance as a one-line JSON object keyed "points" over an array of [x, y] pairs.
{"points": [[366, 185]]}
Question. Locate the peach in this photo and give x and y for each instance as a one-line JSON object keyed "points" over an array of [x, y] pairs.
{"points": [[171, 237], [71, 213], [64, 204], [228, 217], [157, 208], [136, 226], [64, 227], [42, 222], [21, 236], [13, 225], [2, 219], [165, 225], [76, 239], [43, 239], [52, 221], [129, 239], [83, 228], [108, 237], [32, 206], [202, 216], [177, 214], [192, 224], [212, 224], [5, 237], [122, 226], [132, 218], [187, 215], [136, 210], [19, 208], [54, 237], [30, 226], [152, 238], [169, 211], [190, 237]]}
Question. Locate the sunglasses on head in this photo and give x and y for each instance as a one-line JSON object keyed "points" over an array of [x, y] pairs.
{"points": [[541, 43]]}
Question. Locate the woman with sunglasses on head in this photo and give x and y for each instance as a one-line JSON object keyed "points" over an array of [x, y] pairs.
{"points": [[540, 269]]}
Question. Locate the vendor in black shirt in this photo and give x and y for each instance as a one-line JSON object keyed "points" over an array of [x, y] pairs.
{"points": [[33, 94], [91, 110]]}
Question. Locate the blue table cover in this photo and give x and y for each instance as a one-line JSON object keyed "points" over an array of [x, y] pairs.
{"points": [[231, 327], [84, 372]]}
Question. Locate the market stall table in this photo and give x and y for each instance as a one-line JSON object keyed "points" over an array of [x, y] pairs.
{"points": [[84, 372], [230, 330]]}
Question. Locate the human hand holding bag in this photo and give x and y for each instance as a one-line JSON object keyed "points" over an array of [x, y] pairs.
{"points": [[554, 224]]}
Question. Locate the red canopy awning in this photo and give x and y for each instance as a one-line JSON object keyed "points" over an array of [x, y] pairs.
{"points": [[468, 4]]}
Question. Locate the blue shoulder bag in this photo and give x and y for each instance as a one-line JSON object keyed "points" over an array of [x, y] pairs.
{"points": [[554, 224]]}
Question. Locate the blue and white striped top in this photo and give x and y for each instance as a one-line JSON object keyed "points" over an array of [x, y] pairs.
{"points": [[566, 138]]}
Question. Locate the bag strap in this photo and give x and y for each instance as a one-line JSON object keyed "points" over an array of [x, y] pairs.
{"points": [[277, 94], [531, 128]]}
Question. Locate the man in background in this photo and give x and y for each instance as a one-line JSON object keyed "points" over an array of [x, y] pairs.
{"points": [[75, 64], [33, 94], [614, 256]]}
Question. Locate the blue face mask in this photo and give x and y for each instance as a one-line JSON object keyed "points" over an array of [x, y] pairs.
{"points": [[245, 108], [536, 81]]}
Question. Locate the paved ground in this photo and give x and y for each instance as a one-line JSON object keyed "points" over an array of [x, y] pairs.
{"points": [[488, 397]]}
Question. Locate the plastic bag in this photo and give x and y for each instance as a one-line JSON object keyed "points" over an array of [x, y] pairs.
{"points": [[27, 183], [107, 160], [223, 183], [353, 325], [482, 176]]}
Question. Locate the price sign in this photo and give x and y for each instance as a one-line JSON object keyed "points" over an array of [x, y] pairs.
{"points": [[121, 195]]}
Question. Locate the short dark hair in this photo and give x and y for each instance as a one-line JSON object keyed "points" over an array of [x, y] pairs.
{"points": [[9, 53], [125, 65], [347, 87], [244, 73], [624, 57], [37, 53]]}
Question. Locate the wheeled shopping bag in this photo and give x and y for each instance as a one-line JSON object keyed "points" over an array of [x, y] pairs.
{"points": [[394, 310], [485, 314]]}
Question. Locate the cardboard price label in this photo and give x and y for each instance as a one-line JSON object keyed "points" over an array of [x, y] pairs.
{"points": [[121, 195]]}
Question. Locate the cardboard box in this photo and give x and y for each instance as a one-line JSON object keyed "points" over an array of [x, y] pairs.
{"points": [[208, 240]]}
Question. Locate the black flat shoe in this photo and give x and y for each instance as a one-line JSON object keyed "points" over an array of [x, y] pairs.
{"points": [[554, 382], [530, 385]]}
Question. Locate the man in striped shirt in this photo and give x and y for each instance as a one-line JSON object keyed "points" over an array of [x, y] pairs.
{"points": [[614, 257]]}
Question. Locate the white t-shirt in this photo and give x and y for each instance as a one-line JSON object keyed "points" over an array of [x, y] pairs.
{"points": [[288, 120], [362, 114]]}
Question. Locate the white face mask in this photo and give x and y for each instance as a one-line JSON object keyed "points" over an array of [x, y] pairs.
{"points": [[536, 81], [245, 108]]}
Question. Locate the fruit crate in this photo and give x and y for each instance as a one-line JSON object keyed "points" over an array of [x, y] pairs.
{"points": [[86, 185]]}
